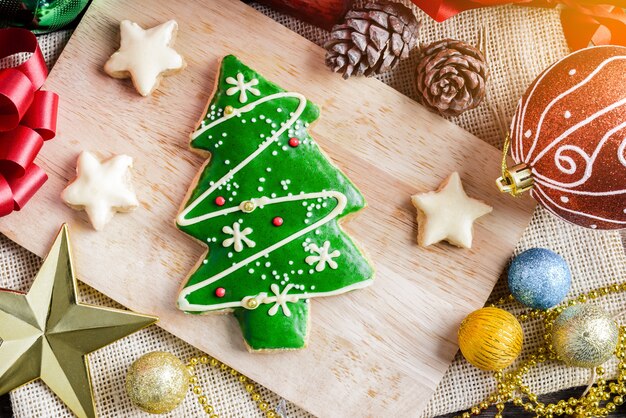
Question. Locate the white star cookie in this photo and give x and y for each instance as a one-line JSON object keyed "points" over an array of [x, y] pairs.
{"points": [[145, 55], [101, 188], [447, 214]]}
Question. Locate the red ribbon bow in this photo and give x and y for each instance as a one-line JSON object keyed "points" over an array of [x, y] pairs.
{"points": [[28, 117], [600, 22]]}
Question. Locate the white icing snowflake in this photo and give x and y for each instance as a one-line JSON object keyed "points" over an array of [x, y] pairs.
{"points": [[239, 237], [325, 256], [280, 299], [242, 86]]}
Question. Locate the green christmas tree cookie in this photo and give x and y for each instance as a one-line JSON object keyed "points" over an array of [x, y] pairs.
{"points": [[268, 205]]}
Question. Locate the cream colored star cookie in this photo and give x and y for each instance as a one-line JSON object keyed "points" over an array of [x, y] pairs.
{"points": [[101, 188], [447, 214], [145, 55]]}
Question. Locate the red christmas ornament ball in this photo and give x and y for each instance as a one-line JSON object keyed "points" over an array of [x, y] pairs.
{"points": [[220, 201], [220, 292], [570, 130], [294, 142], [277, 221]]}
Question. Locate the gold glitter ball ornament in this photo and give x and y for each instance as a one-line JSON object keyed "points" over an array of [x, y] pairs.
{"points": [[157, 382], [490, 338], [584, 335]]}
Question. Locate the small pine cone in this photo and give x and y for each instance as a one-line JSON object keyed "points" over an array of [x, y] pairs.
{"points": [[372, 40], [451, 77]]}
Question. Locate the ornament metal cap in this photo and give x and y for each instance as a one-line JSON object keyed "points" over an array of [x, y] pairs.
{"points": [[515, 180]]}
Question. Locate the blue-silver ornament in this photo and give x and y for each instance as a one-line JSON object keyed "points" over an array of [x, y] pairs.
{"points": [[539, 278], [584, 336]]}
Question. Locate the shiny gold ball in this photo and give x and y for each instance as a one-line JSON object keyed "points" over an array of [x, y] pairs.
{"points": [[229, 109], [490, 338], [584, 335], [157, 382]]}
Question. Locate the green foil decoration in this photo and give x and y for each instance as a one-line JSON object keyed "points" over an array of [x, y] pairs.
{"points": [[40, 16]]}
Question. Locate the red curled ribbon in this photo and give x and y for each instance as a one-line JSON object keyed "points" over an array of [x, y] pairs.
{"points": [[28, 117], [601, 22]]}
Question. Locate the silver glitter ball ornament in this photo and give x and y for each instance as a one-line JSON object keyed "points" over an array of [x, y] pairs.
{"points": [[539, 278], [584, 336]]}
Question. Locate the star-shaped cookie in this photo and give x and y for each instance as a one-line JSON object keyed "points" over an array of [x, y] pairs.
{"points": [[145, 55], [101, 188], [447, 214]]}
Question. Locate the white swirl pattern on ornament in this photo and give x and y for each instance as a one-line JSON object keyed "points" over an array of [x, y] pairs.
{"points": [[555, 101], [544, 199], [589, 159], [621, 153], [521, 110], [559, 159], [569, 159]]}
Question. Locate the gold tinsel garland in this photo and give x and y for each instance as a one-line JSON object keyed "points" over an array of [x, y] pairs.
{"points": [[247, 383], [600, 400]]}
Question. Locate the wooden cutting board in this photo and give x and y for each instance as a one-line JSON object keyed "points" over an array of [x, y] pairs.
{"points": [[376, 352]]}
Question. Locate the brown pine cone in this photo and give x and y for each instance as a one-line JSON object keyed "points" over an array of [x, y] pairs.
{"points": [[372, 40], [451, 77]]}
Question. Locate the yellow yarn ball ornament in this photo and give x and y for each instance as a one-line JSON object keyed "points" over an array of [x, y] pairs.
{"points": [[490, 338]]}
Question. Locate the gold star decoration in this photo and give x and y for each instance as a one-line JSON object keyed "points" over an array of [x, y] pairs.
{"points": [[447, 214], [46, 334]]}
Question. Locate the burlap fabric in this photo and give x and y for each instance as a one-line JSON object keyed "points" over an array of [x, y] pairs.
{"points": [[521, 42]]}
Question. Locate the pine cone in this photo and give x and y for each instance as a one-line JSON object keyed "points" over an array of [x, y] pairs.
{"points": [[372, 40], [451, 77]]}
